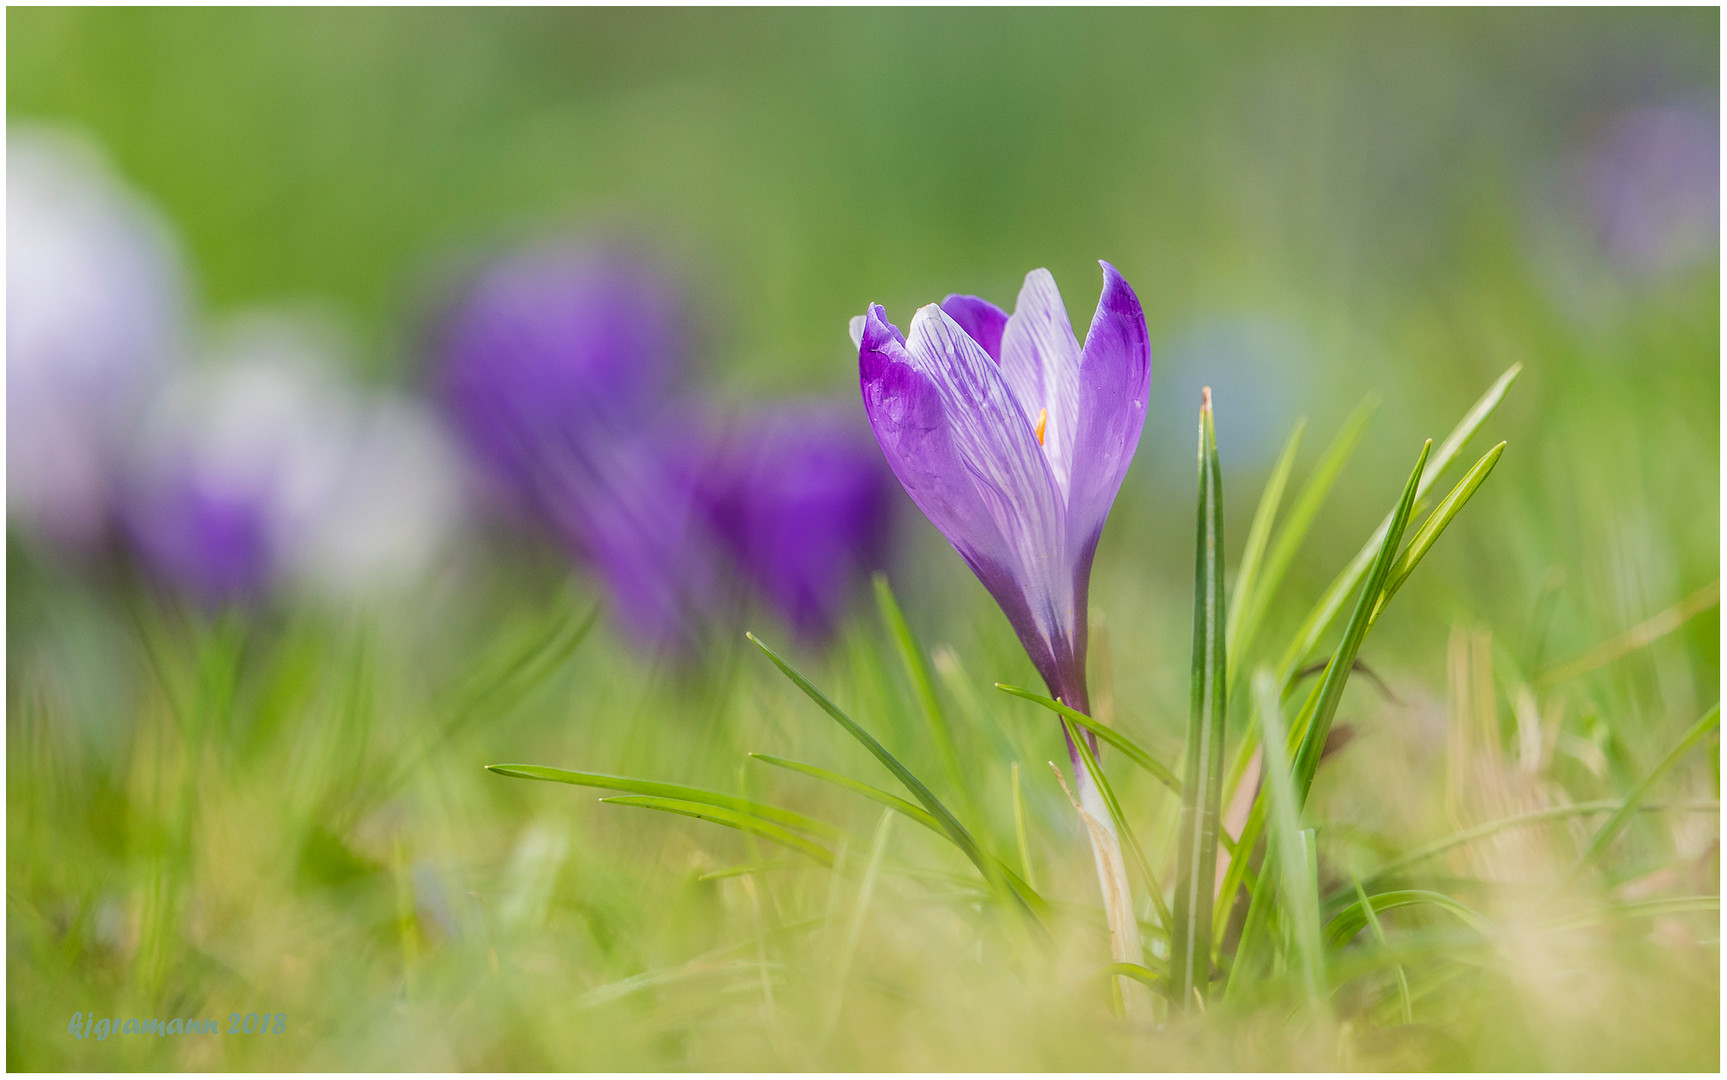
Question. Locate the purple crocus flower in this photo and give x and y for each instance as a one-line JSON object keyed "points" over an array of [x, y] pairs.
{"points": [[804, 507], [1013, 439]]}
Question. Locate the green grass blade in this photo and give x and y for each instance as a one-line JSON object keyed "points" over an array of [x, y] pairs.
{"points": [[885, 798], [1258, 535], [956, 833], [917, 668], [1135, 753], [1379, 936], [1096, 772], [1621, 817], [1289, 540], [722, 815], [1202, 781], [789, 818], [1313, 724], [1290, 851], [1435, 525], [1343, 659], [1353, 918], [1138, 973], [1320, 618]]}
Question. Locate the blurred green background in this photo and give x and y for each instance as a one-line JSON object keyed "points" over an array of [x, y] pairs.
{"points": [[1311, 205]]}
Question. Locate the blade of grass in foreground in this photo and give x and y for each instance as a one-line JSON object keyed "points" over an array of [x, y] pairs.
{"points": [[1196, 867], [1435, 525], [1343, 660], [721, 815], [1029, 901], [1320, 618], [1121, 742], [680, 792], [917, 669]]}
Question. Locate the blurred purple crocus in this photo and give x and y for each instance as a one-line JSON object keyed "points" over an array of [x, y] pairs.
{"points": [[804, 506], [1652, 181], [552, 359], [1013, 440], [558, 369]]}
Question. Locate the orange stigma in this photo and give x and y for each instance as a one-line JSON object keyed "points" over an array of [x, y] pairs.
{"points": [[1042, 420]]}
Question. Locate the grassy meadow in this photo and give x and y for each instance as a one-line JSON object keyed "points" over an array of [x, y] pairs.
{"points": [[1351, 226]]}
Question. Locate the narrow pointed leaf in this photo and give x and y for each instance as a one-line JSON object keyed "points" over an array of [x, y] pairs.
{"points": [[721, 815], [1202, 780], [917, 669], [1435, 525], [776, 814], [1320, 618], [1343, 659], [1311, 727]]}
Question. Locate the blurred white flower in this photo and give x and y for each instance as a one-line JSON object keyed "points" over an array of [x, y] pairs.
{"points": [[95, 296], [259, 467], [380, 526]]}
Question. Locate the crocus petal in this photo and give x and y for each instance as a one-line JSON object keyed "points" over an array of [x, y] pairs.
{"points": [[979, 318], [1114, 378], [860, 321], [965, 453], [1040, 361]]}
